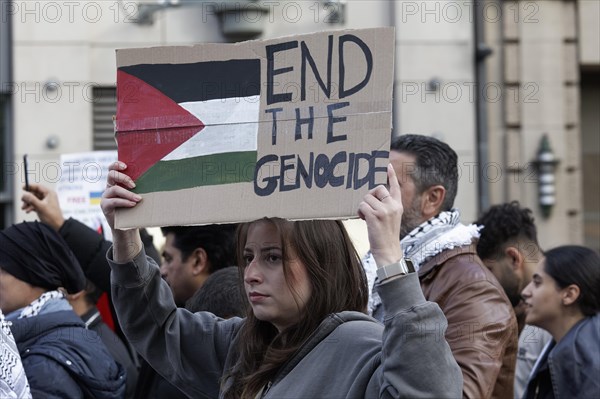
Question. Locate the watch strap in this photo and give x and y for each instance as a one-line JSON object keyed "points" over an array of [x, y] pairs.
{"points": [[400, 268]]}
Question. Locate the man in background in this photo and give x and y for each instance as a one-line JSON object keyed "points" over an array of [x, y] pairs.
{"points": [[509, 247], [221, 294], [192, 253], [482, 329]]}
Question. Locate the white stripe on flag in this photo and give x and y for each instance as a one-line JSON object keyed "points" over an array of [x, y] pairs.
{"points": [[231, 125], [216, 140], [225, 110]]}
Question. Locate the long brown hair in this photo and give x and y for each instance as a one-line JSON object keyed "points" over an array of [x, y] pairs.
{"points": [[338, 283]]}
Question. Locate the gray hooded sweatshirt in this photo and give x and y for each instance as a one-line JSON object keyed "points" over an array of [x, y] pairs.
{"points": [[350, 355]]}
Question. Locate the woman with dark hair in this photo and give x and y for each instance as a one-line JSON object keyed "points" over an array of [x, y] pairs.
{"points": [[306, 334], [564, 299]]}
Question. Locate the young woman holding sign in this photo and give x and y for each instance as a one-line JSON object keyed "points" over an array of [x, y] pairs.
{"points": [[306, 334]]}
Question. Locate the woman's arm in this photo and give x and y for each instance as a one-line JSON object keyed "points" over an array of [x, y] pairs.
{"points": [[189, 350], [416, 359]]}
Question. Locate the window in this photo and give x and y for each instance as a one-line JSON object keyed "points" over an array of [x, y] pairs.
{"points": [[7, 163], [8, 167], [104, 109], [590, 144]]}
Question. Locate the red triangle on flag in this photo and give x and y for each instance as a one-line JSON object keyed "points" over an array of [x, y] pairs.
{"points": [[142, 149], [149, 124], [141, 106]]}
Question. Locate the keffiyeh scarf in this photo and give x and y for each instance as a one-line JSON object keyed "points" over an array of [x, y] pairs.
{"points": [[13, 381], [438, 234], [33, 309]]}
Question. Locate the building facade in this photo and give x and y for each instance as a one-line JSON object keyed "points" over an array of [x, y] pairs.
{"points": [[491, 78]]}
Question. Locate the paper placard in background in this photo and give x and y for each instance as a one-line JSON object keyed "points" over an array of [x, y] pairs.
{"points": [[82, 181]]}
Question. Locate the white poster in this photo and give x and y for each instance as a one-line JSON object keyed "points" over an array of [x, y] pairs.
{"points": [[83, 179]]}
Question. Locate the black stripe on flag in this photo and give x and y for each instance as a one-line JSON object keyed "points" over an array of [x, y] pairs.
{"points": [[201, 81]]}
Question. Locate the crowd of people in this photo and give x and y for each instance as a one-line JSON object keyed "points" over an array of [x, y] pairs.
{"points": [[287, 309]]}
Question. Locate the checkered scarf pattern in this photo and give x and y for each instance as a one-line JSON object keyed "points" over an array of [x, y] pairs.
{"points": [[13, 381], [440, 233], [33, 309]]}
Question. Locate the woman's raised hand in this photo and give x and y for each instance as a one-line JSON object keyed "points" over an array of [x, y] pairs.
{"points": [[382, 209], [117, 194], [126, 243]]}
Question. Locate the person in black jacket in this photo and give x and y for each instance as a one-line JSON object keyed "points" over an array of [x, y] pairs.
{"points": [[60, 357], [88, 246], [191, 254]]}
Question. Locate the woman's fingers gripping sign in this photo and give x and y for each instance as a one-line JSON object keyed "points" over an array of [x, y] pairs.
{"points": [[117, 193]]}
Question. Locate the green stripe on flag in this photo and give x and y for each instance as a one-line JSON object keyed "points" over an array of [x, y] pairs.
{"points": [[208, 170]]}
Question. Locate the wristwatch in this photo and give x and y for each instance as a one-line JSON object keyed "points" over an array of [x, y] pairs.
{"points": [[400, 268]]}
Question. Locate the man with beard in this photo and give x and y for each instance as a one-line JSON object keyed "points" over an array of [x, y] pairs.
{"points": [[508, 246], [482, 329]]}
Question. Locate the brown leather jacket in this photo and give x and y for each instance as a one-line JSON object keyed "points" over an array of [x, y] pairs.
{"points": [[482, 328]]}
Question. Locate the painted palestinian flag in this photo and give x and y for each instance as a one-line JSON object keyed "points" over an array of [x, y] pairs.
{"points": [[188, 125]]}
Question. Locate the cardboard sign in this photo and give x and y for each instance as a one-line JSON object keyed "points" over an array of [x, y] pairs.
{"points": [[296, 127], [82, 181]]}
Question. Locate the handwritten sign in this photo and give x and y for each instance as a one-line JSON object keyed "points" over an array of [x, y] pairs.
{"points": [[82, 181], [297, 127]]}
